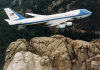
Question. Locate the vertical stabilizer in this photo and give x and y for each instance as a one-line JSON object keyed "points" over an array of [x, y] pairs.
{"points": [[13, 15]]}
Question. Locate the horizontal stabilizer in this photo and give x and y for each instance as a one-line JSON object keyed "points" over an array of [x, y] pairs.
{"points": [[12, 22]]}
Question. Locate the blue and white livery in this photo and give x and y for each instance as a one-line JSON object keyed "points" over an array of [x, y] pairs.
{"points": [[59, 20]]}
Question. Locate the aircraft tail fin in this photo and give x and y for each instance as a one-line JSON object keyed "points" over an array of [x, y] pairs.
{"points": [[12, 14]]}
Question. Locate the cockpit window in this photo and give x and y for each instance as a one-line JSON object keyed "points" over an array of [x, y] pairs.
{"points": [[86, 10]]}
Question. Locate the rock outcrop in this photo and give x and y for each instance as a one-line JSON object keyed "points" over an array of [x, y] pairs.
{"points": [[58, 2], [54, 3], [14, 47], [61, 10], [53, 53], [21, 27], [17, 1], [96, 41], [68, 6]]}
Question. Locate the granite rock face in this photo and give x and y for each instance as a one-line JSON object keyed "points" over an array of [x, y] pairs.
{"points": [[25, 61], [53, 53], [14, 47]]}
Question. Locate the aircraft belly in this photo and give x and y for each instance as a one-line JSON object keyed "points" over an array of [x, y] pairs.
{"points": [[36, 24]]}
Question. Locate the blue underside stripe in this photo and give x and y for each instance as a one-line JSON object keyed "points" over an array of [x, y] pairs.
{"points": [[42, 21]]}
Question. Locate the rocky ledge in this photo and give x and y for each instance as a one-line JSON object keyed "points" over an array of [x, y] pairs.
{"points": [[52, 53]]}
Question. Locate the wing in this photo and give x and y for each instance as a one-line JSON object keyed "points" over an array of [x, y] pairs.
{"points": [[35, 15], [58, 22]]}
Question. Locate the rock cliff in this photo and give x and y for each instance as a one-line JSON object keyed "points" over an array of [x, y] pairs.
{"points": [[52, 53]]}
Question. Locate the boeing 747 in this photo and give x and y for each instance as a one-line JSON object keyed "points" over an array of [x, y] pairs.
{"points": [[60, 20]]}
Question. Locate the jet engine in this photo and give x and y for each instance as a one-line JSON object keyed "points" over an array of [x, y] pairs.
{"points": [[69, 23], [61, 26]]}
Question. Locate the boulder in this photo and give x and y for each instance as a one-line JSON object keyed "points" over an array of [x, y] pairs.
{"points": [[25, 61], [14, 47]]}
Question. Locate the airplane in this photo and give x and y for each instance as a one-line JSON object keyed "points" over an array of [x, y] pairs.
{"points": [[60, 20]]}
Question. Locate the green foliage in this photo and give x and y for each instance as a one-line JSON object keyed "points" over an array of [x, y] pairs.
{"points": [[30, 4], [5, 3]]}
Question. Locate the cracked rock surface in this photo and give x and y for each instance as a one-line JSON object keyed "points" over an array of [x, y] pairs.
{"points": [[53, 53]]}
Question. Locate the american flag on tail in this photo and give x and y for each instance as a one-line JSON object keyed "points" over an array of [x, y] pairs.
{"points": [[11, 14]]}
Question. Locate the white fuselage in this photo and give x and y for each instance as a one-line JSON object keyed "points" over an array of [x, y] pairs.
{"points": [[16, 19], [42, 19]]}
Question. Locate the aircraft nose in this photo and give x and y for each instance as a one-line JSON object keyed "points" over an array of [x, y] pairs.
{"points": [[88, 12]]}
